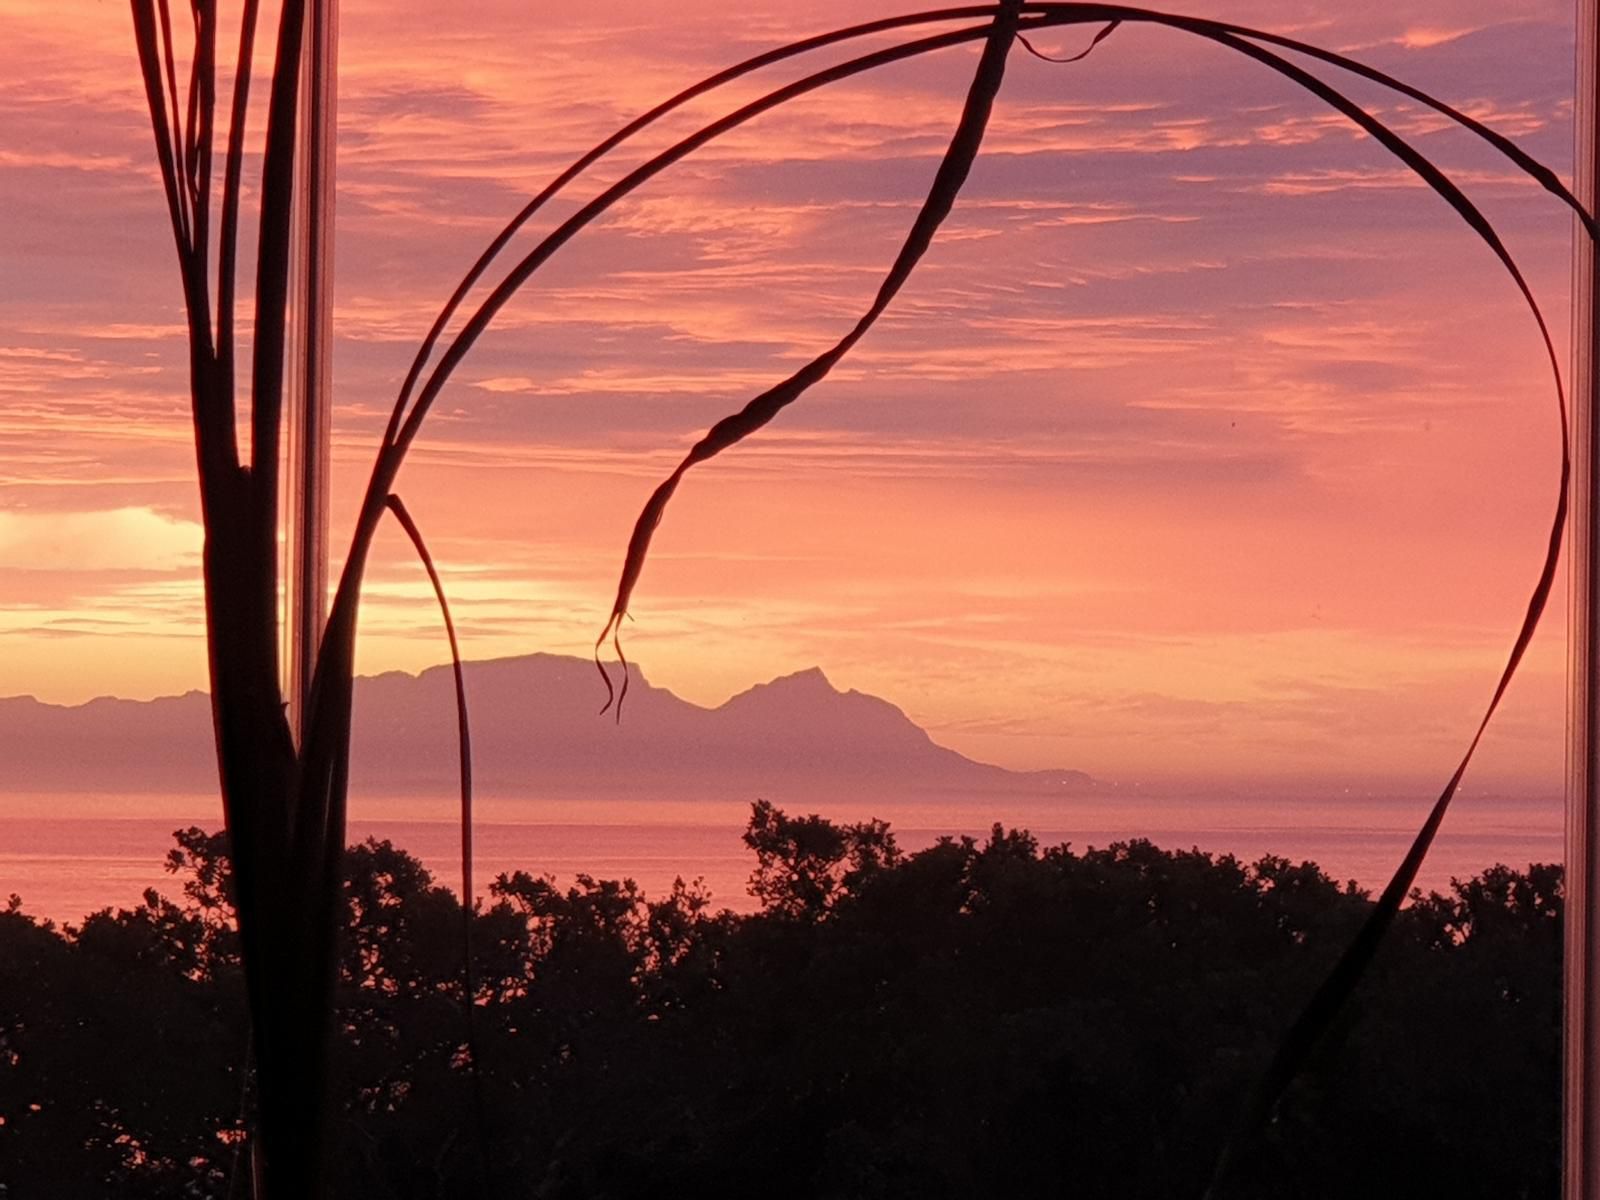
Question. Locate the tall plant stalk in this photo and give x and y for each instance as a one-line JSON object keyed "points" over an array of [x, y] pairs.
{"points": [[285, 805]]}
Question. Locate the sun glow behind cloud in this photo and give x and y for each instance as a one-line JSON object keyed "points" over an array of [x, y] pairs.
{"points": [[1204, 442]]}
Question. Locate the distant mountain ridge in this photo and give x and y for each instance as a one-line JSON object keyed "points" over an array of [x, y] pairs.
{"points": [[535, 730]]}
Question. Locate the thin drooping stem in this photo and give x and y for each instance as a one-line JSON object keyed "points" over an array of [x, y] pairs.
{"points": [[936, 206], [1063, 60], [1520, 158], [469, 985], [463, 730], [1318, 1015]]}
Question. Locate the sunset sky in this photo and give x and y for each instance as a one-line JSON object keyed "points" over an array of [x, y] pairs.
{"points": [[1205, 443]]}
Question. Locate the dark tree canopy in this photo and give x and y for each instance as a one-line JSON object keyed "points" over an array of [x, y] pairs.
{"points": [[978, 1019]]}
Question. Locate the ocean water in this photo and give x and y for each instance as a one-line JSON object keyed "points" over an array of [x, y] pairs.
{"points": [[67, 856]]}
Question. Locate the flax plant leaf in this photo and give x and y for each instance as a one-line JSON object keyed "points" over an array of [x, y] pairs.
{"points": [[1320, 1011], [463, 725], [464, 758], [948, 179], [1111, 27]]}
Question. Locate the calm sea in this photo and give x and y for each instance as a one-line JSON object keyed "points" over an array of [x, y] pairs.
{"points": [[70, 855]]}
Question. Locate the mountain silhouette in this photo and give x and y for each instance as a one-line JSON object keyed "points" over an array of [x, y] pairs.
{"points": [[536, 730]]}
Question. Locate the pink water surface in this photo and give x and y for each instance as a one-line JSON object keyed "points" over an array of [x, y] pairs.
{"points": [[67, 856]]}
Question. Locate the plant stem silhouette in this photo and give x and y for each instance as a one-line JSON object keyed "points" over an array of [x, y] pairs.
{"points": [[284, 804]]}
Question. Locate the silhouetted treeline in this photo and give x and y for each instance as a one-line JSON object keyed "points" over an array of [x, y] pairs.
{"points": [[974, 1020]]}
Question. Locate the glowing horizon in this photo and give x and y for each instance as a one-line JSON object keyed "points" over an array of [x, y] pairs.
{"points": [[1205, 442]]}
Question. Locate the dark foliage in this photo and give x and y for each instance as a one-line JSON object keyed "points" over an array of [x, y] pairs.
{"points": [[976, 1019]]}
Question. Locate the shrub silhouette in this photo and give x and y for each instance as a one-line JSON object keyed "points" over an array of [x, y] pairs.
{"points": [[977, 1019]]}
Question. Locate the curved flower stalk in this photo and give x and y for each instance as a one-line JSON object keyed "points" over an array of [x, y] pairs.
{"points": [[285, 806]]}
